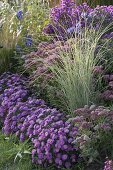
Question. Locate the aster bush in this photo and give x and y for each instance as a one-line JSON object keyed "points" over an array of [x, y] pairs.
{"points": [[18, 113], [12, 91], [68, 18], [30, 119], [51, 129]]}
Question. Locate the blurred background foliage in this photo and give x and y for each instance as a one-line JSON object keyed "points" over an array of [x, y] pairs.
{"points": [[21, 24], [53, 3], [90, 2]]}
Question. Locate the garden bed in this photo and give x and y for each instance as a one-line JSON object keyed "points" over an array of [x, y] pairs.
{"points": [[56, 86]]}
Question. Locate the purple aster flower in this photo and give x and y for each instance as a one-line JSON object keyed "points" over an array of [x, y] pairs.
{"points": [[64, 157]]}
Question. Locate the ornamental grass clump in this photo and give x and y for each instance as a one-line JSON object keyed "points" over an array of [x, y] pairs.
{"points": [[66, 71], [80, 35], [75, 70]]}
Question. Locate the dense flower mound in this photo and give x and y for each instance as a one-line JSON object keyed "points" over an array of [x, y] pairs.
{"points": [[108, 165], [68, 18], [95, 123], [18, 113], [46, 129], [29, 118], [12, 91]]}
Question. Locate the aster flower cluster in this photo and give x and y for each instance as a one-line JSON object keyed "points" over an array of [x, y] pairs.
{"points": [[67, 17], [18, 113], [108, 165], [29, 118], [46, 129], [12, 91]]}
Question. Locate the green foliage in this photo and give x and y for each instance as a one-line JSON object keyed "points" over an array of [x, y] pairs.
{"points": [[34, 18], [13, 152], [96, 2], [17, 156], [5, 59], [13, 31]]}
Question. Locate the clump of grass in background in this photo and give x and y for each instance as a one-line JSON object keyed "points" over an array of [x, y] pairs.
{"points": [[6, 56], [6, 37]]}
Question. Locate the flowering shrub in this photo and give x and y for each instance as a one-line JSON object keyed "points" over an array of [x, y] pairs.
{"points": [[17, 114], [95, 127], [65, 18], [30, 118], [12, 91], [48, 129], [68, 18]]}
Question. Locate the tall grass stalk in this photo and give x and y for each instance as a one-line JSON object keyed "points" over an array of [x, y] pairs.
{"points": [[74, 72]]}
